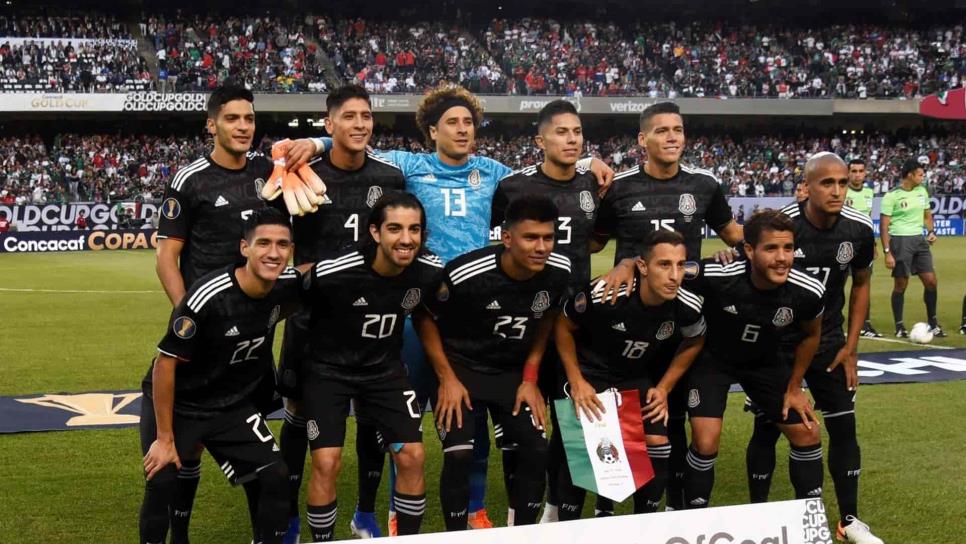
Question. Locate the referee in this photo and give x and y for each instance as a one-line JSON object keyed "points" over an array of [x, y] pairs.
{"points": [[860, 196], [905, 210]]}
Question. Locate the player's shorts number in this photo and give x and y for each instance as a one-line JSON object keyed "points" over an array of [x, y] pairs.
{"points": [[517, 325], [565, 229], [251, 346], [411, 403], [256, 421], [353, 223], [820, 272], [454, 202], [634, 350], [751, 333], [383, 325]]}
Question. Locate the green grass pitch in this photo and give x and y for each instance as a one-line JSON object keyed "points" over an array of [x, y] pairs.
{"points": [[86, 486]]}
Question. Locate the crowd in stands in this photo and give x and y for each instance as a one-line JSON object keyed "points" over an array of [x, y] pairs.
{"points": [[89, 27], [62, 66]]}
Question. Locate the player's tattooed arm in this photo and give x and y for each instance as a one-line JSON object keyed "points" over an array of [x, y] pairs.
{"points": [[162, 451], [795, 397], [733, 235], [656, 407], [452, 394], [166, 265], [848, 356], [301, 151], [604, 174], [581, 392]]}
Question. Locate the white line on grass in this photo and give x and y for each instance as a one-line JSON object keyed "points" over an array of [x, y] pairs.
{"points": [[90, 291], [896, 341]]}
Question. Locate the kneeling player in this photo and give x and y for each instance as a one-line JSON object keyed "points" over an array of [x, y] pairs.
{"points": [[359, 302], [494, 311], [749, 305], [213, 357], [604, 346]]}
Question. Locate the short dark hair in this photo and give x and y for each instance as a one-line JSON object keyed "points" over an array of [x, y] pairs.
{"points": [[345, 93], [553, 109], [910, 166], [767, 219], [399, 199], [225, 94], [265, 216], [657, 109], [856, 161], [531, 207], [655, 237]]}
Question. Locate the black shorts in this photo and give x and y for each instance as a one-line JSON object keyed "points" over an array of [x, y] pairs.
{"points": [[600, 385], [829, 389], [290, 364], [912, 255], [239, 440], [266, 397], [390, 405], [495, 393], [765, 384], [677, 399]]}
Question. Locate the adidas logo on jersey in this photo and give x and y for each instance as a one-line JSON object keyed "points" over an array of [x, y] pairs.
{"points": [[494, 306], [799, 254], [731, 309], [619, 327], [639, 207], [361, 302], [232, 332], [221, 201]]}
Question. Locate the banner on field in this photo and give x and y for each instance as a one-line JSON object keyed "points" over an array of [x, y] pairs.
{"points": [[607, 456], [31, 217], [77, 240], [136, 101]]}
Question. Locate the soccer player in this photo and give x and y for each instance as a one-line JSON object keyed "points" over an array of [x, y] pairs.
{"points": [[904, 211], [359, 301], [832, 242], [355, 181], [210, 362], [605, 346], [205, 205], [663, 194], [860, 197], [494, 310], [749, 304]]}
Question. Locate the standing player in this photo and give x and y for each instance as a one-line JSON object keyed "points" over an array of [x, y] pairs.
{"points": [[832, 241], [204, 208], [355, 181], [604, 346], [860, 197], [749, 304], [211, 361], [493, 311], [663, 194], [904, 213], [359, 301]]}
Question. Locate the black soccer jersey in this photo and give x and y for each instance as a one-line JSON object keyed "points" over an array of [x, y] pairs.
{"points": [[226, 338], [638, 203], [577, 202], [487, 319], [356, 325], [829, 255], [745, 323], [617, 342], [341, 220], [205, 205]]}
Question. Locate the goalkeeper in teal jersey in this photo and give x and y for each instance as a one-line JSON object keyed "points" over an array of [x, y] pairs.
{"points": [[860, 197]]}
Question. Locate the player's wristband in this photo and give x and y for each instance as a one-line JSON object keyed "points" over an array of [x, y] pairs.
{"points": [[530, 373], [886, 250]]}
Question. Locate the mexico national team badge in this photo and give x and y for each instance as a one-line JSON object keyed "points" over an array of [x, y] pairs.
{"points": [[666, 330], [412, 298], [694, 398], [783, 317], [606, 452], [541, 303], [374, 194], [311, 429], [580, 302], [184, 327], [687, 206], [474, 178], [273, 317], [845, 253], [587, 203], [171, 208], [442, 294]]}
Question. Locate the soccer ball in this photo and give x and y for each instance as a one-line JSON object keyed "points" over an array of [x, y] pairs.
{"points": [[921, 333]]}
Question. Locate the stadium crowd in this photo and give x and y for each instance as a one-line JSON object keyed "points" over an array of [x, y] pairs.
{"points": [[62, 66], [100, 27]]}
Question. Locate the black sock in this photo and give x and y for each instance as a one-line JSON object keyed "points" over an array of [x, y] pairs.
{"points": [[554, 458], [322, 521], [648, 498], [897, 301], [964, 312], [185, 489], [509, 468], [604, 506], [454, 487], [760, 458], [529, 483], [698, 478], [253, 494], [158, 494], [272, 506], [294, 445], [570, 497], [806, 470], [409, 512], [678, 437], [371, 460], [844, 462], [929, 297]]}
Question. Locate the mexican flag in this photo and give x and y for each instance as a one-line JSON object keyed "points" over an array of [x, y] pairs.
{"points": [[607, 457]]}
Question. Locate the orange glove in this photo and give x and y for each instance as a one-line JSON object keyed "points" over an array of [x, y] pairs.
{"points": [[301, 196]]}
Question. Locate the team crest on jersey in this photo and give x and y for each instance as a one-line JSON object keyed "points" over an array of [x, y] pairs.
{"points": [[607, 452], [171, 208], [273, 317], [474, 178], [374, 194], [691, 270], [412, 298], [587, 202], [783, 317], [541, 303], [442, 294], [665, 331], [184, 327], [687, 206], [580, 302], [845, 253]]}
